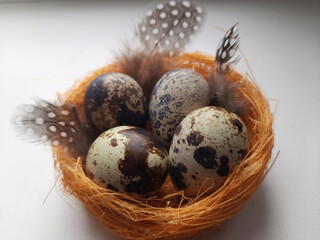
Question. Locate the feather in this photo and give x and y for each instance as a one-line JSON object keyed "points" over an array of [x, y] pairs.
{"points": [[145, 69], [227, 51], [225, 93], [44, 122], [170, 25]]}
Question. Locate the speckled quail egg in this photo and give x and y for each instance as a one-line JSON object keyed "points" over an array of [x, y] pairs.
{"points": [[115, 99], [175, 95], [206, 147], [127, 159]]}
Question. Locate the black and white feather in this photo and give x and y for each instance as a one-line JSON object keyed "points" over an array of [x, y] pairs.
{"points": [[170, 25], [226, 53], [44, 122], [225, 93]]}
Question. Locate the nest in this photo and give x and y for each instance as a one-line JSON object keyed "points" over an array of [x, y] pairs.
{"points": [[168, 213]]}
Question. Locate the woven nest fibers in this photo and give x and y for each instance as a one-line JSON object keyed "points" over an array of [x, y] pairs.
{"points": [[168, 213]]}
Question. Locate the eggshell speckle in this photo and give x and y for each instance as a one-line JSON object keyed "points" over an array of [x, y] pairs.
{"points": [[115, 99], [206, 147], [127, 159], [176, 94]]}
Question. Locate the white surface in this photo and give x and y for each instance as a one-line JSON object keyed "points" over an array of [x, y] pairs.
{"points": [[45, 47]]}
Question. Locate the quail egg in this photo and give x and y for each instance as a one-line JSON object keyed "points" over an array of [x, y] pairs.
{"points": [[206, 147], [175, 95], [127, 159], [115, 99]]}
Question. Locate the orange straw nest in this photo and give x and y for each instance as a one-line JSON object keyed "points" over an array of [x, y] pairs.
{"points": [[168, 213]]}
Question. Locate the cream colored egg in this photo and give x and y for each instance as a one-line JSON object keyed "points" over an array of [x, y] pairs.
{"points": [[127, 159], [176, 94], [206, 147]]}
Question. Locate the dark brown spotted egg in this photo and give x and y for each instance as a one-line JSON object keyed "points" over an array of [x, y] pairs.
{"points": [[127, 159], [175, 95], [115, 99], [206, 147]]}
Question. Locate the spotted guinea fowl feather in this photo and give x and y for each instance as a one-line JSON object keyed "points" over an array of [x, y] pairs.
{"points": [[44, 122], [170, 25], [227, 49], [225, 93]]}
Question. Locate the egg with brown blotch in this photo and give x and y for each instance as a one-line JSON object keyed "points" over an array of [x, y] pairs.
{"points": [[127, 159], [206, 147], [115, 99], [175, 95]]}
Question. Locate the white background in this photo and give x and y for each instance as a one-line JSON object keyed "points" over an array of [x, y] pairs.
{"points": [[45, 47]]}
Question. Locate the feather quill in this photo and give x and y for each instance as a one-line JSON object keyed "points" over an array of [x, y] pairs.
{"points": [[225, 93]]}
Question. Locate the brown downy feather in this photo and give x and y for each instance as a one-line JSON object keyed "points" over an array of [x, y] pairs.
{"points": [[145, 69], [225, 93]]}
